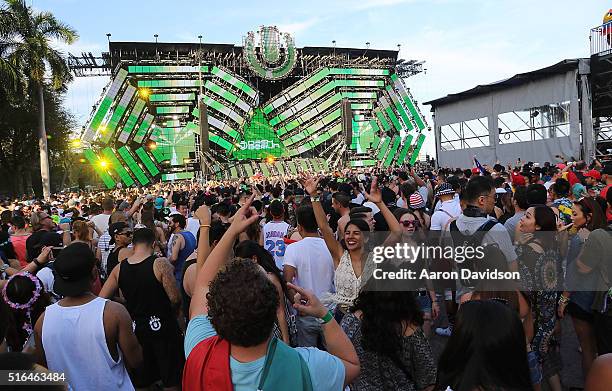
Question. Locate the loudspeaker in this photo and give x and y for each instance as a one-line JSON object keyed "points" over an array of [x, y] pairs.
{"points": [[347, 122], [204, 138]]}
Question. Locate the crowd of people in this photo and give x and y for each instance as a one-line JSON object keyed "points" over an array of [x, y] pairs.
{"points": [[265, 283]]}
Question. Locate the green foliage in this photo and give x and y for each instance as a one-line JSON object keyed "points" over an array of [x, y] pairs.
{"points": [[28, 62]]}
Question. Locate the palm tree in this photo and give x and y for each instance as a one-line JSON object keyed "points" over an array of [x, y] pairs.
{"points": [[26, 42]]}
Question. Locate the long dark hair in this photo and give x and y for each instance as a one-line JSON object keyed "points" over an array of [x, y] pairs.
{"points": [[485, 331], [250, 249], [20, 289], [592, 212], [385, 315], [547, 220]]}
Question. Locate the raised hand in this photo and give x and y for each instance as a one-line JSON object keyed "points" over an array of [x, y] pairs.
{"points": [[375, 195], [243, 217], [310, 184], [203, 215]]}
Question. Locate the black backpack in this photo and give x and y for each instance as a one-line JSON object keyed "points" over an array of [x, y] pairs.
{"points": [[492, 252]]}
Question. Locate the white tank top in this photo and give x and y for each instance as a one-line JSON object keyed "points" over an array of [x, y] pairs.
{"points": [[346, 282], [74, 342], [274, 233]]}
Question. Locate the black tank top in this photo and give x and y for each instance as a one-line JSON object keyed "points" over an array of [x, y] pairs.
{"points": [[146, 299], [112, 261]]}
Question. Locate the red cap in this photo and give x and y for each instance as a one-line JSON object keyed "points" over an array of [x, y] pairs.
{"points": [[475, 170], [518, 179], [593, 174], [561, 166]]}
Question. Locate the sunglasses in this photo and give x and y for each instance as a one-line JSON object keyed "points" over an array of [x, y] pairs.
{"points": [[409, 223], [126, 233]]}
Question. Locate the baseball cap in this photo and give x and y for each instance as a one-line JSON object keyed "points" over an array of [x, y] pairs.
{"points": [[114, 229], [518, 180], [72, 270], [416, 201], [475, 170], [593, 174], [444, 188]]}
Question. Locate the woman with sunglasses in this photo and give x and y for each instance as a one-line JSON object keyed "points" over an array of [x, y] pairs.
{"points": [[121, 237], [413, 233], [576, 300]]}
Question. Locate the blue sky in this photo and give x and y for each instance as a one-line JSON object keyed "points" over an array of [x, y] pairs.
{"points": [[463, 42]]}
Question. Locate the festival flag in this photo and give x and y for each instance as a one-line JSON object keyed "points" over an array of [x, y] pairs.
{"points": [[478, 165]]}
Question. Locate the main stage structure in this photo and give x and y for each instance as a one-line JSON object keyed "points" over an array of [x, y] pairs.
{"points": [[181, 110]]}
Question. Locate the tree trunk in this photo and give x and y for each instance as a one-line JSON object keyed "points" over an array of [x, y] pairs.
{"points": [[67, 169], [42, 144], [19, 181]]}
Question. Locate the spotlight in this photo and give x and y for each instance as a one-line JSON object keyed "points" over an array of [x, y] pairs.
{"points": [[81, 160], [103, 163], [269, 160], [152, 145], [144, 93]]}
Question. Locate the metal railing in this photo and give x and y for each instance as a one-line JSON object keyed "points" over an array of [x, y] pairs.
{"points": [[601, 39]]}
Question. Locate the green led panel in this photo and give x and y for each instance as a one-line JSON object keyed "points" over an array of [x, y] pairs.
{"points": [[127, 157], [165, 69], [143, 129], [400, 109], [382, 120], [177, 176], [171, 97], [168, 83], [147, 161], [235, 82], [105, 104], [363, 163], [95, 163], [172, 109], [279, 167], [417, 148], [259, 140], [264, 169], [131, 121], [408, 100], [116, 165], [383, 148], [404, 150], [111, 127], [249, 170], [396, 143]]}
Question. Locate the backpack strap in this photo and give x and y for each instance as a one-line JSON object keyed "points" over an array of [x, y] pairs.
{"points": [[486, 227], [480, 233]]}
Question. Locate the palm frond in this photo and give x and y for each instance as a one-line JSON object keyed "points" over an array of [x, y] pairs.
{"points": [[48, 25]]}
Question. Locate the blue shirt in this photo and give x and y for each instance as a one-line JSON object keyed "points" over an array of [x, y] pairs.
{"points": [[326, 371]]}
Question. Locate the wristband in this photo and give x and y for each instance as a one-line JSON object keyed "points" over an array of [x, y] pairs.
{"points": [[205, 225], [37, 263], [315, 199], [327, 318]]}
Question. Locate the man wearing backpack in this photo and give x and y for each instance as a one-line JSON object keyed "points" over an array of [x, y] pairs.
{"points": [[479, 197]]}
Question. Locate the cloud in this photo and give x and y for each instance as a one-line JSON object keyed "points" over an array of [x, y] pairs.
{"points": [[297, 27]]}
